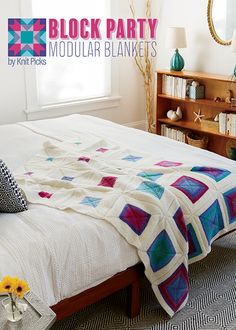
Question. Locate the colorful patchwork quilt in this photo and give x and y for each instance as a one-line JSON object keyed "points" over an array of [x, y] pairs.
{"points": [[170, 211]]}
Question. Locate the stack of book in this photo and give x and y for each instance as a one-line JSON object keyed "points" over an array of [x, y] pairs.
{"points": [[175, 86], [227, 123], [174, 133]]}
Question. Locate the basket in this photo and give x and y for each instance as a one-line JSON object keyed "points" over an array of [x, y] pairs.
{"points": [[197, 141]]}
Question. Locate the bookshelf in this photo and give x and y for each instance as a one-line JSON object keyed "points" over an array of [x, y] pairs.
{"points": [[215, 86]]}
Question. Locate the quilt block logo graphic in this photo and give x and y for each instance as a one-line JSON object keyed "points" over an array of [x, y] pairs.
{"points": [[26, 37]]}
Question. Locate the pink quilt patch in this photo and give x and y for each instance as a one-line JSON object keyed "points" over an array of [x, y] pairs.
{"points": [[166, 163], [108, 181], [84, 159], [102, 150], [44, 194]]}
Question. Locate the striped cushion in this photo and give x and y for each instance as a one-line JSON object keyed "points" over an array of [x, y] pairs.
{"points": [[11, 199]]}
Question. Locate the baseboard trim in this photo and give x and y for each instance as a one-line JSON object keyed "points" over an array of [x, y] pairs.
{"points": [[142, 125]]}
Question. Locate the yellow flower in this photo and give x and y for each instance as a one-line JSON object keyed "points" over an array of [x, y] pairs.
{"points": [[8, 284], [21, 288]]}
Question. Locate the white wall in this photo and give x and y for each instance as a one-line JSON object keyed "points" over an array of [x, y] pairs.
{"points": [[12, 92], [202, 53], [12, 88]]}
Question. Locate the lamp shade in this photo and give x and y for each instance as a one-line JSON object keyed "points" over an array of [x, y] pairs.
{"points": [[234, 42], [176, 38]]}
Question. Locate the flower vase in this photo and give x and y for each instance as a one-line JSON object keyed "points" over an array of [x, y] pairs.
{"points": [[14, 308]]}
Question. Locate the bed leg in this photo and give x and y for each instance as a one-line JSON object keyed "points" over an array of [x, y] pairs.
{"points": [[133, 299]]}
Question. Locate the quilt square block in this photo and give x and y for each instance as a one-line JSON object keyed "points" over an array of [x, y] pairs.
{"points": [[136, 218], [216, 174], [132, 158], [150, 175], [192, 188], [91, 201], [212, 221], [67, 178], [102, 150], [230, 201], [180, 222], [108, 181], [84, 159], [26, 37], [175, 289], [193, 243], [151, 188], [167, 163], [161, 252]]}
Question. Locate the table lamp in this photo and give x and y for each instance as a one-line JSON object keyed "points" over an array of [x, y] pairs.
{"points": [[176, 38], [234, 48]]}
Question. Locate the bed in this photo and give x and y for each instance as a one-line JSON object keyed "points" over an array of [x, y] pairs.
{"points": [[69, 257]]}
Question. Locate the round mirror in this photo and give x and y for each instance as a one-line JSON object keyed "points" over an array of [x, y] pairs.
{"points": [[222, 20]]}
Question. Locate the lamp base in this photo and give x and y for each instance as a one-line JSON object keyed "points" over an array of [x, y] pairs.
{"points": [[177, 61]]}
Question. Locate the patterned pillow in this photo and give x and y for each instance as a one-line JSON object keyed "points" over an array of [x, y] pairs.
{"points": [[11, 199]]}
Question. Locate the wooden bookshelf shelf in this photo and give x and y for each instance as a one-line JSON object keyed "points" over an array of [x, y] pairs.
{"points": [[198, 75], [210, 103], [193, 127], [215, 86]]}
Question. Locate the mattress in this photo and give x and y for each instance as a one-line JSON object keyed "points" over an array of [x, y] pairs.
{"points": [[61, 253]]}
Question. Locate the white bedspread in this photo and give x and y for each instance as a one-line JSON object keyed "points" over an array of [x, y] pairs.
{"points": [[62, 254]]}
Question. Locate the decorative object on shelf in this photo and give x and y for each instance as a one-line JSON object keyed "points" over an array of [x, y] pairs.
{"points": [[231, 149], [218, 99], [198, 116], [179, 113], [233, 102], [197, 141], [175, 115], [145, 65], [195, 84], [176, 38], [171, 114], [210, 124], [234, 49], [13, 304], [216, 119], [229, 96], [196, 91]]}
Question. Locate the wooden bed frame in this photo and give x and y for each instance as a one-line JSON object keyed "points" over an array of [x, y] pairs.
{"points": [[129, 278]]}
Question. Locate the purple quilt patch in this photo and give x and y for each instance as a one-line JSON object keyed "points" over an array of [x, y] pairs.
{"points": [[175, 289], [102, 150], [84, 159], [230, 201], [166, 163], [193, 243], [180, 222], [192, 188], [216, 174], [135, 217]]}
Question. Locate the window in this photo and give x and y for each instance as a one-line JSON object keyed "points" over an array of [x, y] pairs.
{"points": [[69, 80]]}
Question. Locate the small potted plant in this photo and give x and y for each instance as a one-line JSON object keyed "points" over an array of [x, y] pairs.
{"points": [[16, 289]]}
